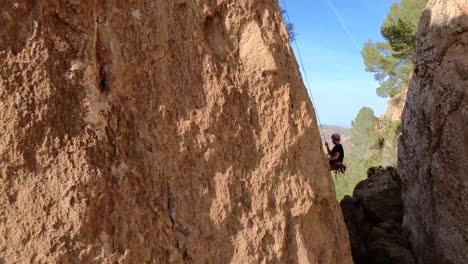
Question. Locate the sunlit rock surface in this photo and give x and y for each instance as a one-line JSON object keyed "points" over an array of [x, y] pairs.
{"points": [[159, 132]]}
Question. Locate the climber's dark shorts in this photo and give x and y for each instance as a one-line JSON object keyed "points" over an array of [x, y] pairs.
{"points": [[337, 166]]}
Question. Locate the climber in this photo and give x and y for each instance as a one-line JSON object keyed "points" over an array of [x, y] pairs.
{"points": [[336, 154]]}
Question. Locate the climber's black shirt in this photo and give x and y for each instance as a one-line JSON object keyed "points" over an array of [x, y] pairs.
{"points": [[338, 148]]}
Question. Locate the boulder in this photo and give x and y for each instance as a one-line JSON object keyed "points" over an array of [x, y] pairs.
{"points": [[374, 217]]}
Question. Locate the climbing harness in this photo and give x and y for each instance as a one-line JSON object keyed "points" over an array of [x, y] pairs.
{"points": [[339, 172], [340, 169], [305, 75]]}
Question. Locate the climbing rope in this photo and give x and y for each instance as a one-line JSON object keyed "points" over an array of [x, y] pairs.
{"points": [[305, 74]]}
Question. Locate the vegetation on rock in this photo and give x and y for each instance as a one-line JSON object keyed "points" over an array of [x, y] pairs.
{"points": [[292, 34]]}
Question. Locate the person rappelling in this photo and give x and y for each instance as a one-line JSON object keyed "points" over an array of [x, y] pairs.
{"points": [[336, 154]]}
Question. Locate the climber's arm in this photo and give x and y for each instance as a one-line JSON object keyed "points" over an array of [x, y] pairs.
{"points": [[335, 157], [328, 148]]}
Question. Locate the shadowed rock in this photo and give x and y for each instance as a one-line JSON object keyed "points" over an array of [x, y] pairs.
{"points": [[373, 217], [433, 148]]}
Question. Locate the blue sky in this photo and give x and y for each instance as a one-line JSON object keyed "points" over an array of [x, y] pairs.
{"points": [[331, 51]]}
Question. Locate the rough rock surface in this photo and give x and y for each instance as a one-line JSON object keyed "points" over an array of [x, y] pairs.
{"points": [[395, 107], [374, 216], [159, 132], [433, 149]]}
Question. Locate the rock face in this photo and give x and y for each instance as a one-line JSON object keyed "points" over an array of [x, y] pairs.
{"points": [[433, 149], [374, 219], [395, 107], [159, 132]]}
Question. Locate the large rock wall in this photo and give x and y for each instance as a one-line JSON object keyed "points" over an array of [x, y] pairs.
{"points": [[433, 149], [159, 132]]}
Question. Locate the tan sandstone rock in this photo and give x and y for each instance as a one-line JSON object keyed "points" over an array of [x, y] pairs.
{"points": [[433, 149], [159, 132]]}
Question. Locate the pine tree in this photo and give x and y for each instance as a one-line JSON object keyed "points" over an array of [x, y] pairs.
{"points": [[390, 61]]}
